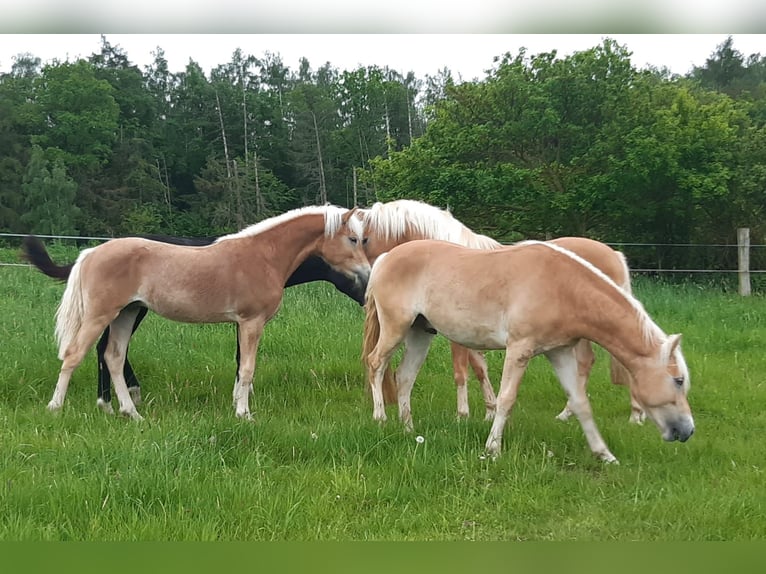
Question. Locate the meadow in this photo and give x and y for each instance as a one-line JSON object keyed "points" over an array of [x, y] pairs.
{"points": [[313, 465]]}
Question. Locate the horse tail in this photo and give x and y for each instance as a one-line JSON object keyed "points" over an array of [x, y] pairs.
{"points": [[369, 342], [617, 371], [71, 308], [33, 250]]}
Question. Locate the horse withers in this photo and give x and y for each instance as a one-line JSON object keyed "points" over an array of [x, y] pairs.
{"points": [[240, 278], [529, 299]]}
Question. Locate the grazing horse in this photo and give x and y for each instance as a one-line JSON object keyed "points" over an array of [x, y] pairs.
{"points": [[239, 278], [529, 299], [396, 222], [312, 269]]}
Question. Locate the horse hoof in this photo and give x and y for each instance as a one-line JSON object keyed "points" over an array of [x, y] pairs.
{"points": [[104, 406], [54, 407], [608, 458], [245, 416], [133, 414]]}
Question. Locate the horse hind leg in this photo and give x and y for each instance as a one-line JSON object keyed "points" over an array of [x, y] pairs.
{"points": [[479, 366], [565, 363], [460, 373], [389, 339], [416, 344], [73, 356], [585, 360], [115, 353]]}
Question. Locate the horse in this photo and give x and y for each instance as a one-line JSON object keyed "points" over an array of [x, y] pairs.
{"points": [[314, 268], [396, 222], [239, 278], [529, 299]]}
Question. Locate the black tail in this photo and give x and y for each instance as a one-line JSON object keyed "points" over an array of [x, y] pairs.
{"points": [[33, 250]]}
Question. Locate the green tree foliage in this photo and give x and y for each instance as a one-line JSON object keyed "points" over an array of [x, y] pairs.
{"points": [[76, 115], [583, 145], [49, 197], [541, 146]]}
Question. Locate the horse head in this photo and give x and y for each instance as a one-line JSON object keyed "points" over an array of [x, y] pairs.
{"points": [[661, 387], [343, 250]]}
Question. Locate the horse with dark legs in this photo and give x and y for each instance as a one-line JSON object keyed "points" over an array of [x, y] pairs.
{"points": [[529, 299], [394, 223], [314, 268], [239, 278]]}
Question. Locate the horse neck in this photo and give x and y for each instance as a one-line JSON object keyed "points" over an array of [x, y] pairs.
{"points": [[615, 324], [291, 243]]}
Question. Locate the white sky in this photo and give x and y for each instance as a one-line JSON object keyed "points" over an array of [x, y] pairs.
{"points": [[467, 55]]}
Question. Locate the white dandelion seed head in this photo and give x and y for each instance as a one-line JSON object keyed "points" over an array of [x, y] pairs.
{"points": [[419, 439]]}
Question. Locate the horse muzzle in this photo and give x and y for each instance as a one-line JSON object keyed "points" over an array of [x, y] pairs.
{"points": [[680, 431]]}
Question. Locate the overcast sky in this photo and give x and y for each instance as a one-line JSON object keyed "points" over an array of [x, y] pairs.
{"points": [[468, 55]]}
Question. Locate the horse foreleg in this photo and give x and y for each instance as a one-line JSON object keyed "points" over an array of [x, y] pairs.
{"points": [[583, 351], [479, 366], [637, 414], [565, 363], [514, 365], [248, 335], [115, 353], [416, 345], [104, 395], [134, 387], [621, 376], [235, 392], [460, 371]]}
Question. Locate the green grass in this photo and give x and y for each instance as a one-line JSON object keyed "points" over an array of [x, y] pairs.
{"points": [[314, 466]]}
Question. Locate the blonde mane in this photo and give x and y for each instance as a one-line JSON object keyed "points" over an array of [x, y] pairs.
{"points": [[333, 216], [394, 219], [650, 331]]}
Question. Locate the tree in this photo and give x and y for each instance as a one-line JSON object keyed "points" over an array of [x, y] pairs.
{"points": [[76, 115], [49, 197]]}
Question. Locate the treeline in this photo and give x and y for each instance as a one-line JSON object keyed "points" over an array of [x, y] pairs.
{"points": [[542, 146]]}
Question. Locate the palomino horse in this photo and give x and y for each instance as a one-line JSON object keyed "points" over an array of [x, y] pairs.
{"points": [[240, 278], [396, 222], [314, 268], [529, 299]]}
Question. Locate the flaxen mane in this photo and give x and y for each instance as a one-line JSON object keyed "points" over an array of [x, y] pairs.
{"points": [[650, 330], [332, 213], [394, 219]]}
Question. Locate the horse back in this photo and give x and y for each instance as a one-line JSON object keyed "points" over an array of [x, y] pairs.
{"points": [[611, 262]]}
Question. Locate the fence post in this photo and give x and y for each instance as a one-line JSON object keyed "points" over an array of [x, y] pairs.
{"points": [[743, 252]]}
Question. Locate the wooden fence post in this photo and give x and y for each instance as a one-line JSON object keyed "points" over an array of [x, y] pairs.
{"points": [[743, 251]]}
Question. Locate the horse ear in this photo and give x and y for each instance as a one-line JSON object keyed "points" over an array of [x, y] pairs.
{"points": [[347, 215], [673, 342]]}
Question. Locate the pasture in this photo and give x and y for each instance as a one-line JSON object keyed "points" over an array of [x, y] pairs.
{"points": [[313, 465]]}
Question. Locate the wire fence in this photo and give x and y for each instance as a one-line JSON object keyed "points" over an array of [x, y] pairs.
{"points": [[644, 258]]}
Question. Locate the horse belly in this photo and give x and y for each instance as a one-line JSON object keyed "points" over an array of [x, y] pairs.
{"points": [[470, 329]]}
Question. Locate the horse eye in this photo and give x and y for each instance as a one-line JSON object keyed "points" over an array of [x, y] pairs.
{"points": [[364, 241], [353, 240], [679, 381]]}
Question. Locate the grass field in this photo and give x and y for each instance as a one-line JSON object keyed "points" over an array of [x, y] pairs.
{"points": [[314, 466]]}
